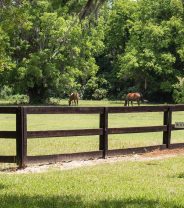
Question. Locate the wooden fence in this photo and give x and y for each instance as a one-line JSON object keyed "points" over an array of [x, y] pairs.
{"points": [[22, 135]]}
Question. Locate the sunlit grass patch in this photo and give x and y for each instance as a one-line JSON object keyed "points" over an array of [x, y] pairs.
{"points": [[122, 141], [46, 146], [122, 184]]}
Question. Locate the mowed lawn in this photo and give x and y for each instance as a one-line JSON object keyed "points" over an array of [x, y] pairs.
{"points": [[143, 184], [129, 184], [87, 143]]}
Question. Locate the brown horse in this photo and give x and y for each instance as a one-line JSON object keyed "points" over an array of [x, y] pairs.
{"points": [[73, 98], [135, 96]]}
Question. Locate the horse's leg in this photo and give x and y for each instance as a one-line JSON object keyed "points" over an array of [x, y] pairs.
{"points": [[131, 102], [138, 102]]}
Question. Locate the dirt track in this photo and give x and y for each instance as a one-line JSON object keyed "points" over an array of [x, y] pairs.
{"points": [[155, 155]]}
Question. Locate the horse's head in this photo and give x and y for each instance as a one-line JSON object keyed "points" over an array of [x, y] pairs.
{"points": [[70, 99]]}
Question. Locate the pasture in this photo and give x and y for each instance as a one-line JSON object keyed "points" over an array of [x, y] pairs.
{"points": [[150, 184], [87, 143]]}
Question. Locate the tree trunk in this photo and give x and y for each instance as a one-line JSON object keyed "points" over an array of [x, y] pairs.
{"points": [[36, 96]]}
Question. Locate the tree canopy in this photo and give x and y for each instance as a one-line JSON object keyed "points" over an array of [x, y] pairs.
{"points": [[49, 48]]}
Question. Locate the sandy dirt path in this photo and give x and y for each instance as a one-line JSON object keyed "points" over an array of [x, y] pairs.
{"points": [[155, 155]]}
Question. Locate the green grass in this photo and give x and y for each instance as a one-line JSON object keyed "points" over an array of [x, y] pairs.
{"points": [[89, 143], [148, 184]]}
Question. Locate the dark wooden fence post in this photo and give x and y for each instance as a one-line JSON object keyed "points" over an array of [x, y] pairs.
{"points": [[103, 144], [168, 123], [21, 139]]}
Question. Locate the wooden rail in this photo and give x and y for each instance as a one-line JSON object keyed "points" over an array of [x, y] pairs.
{"points": [[22, 135], [64, 133]]}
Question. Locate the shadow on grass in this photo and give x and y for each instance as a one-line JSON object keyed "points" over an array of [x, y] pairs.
{"points": [[181, 175], [77, 202], [2, 186], [117, 102]]}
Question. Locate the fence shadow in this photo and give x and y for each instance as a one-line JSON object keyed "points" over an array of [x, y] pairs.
{"points": [[2, 187], [69, 201]]}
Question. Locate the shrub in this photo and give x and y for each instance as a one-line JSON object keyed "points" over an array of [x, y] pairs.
{"points": [[99, 94], [19, 99], [5, 92], [54, 101], [178, 93]]}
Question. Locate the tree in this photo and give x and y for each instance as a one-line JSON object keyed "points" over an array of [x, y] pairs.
{"points": [[147, 47], [50, 59]]}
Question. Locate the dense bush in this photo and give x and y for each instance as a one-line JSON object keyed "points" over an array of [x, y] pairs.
{"points": [[5, 92], [99, 94], [54, 101], [178, 94], [19, 99]]}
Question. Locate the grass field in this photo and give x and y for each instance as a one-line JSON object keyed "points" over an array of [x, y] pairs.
{"points": [[145, 184], [148, 184], [89, 143]]}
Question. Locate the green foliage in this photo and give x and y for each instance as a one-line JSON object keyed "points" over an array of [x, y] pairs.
{"points": [[6, 92], [46, 50], [178, 93], [96, 88], [144, 43], [54, 101], [52, 52], [19, 99], [99, 94]]}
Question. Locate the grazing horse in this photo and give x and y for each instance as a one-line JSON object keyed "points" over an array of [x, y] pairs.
{"points": [[73, 98], [135, 96]]}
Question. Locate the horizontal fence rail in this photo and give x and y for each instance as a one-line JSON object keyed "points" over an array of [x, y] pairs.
{"points": [[21, 135], [137, 109], [8, 134], [177, 107], [64, 110], [64, 133], [8, 159], [117, 152], [144, 129], [63, 157], [8, 110]]}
